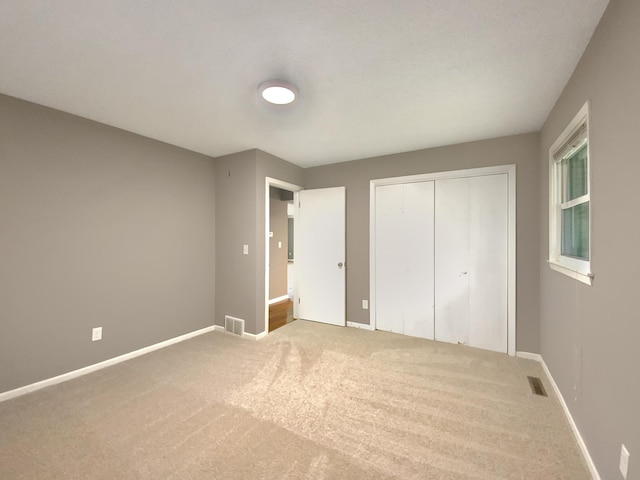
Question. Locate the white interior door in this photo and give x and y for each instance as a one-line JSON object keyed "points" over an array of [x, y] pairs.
{"points": [[471, 261], [320, 255], [404, 257]]}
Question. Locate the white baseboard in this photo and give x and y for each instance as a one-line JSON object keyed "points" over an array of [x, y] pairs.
{"points": [[98, 366], [364, 326], [530, 356], [249, 336], [583, 446], [252, 336], [279, 299]]}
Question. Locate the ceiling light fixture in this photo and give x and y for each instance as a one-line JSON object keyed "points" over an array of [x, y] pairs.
{"points": [[278, 92]]}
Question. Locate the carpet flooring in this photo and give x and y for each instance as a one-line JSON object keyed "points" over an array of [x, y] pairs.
{"points": [[310, 401]]}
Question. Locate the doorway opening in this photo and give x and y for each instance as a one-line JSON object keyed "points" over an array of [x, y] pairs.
{"points": [[280, 291]]}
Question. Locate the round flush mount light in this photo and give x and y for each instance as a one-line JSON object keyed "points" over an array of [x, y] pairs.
{"points": [[278, 92]]}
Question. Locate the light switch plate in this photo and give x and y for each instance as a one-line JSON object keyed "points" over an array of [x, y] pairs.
{"points": [[245, 249], [365, 304]]}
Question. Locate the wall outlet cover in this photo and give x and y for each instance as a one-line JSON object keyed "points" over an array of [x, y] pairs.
{"points": [[96, 334]]}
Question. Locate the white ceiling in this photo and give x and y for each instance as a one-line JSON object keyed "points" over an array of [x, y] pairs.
{"points": [[375, 76]]}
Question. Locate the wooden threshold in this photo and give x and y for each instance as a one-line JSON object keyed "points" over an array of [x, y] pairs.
{"points": [[280, 314]]}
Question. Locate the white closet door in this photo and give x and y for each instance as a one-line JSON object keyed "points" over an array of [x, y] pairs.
{"points": [[404, 258], [488, 200], [452, 260], [471, 261]]}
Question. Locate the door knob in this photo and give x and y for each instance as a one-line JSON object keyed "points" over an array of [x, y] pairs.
{"points": [[340, 265]]}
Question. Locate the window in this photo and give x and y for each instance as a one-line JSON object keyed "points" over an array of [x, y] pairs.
{"points": [[569, 200]]}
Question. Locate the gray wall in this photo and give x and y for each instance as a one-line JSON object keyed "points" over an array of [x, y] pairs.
{"points": [[521, 150], [589, 335], [100, 227], [240, 220], [279, 226], [235, 227]]}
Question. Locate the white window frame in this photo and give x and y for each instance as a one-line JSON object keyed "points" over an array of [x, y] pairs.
{"points": [[576, 268]]}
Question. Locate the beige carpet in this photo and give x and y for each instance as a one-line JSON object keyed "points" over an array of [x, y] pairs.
{"points": [[310, 401]]}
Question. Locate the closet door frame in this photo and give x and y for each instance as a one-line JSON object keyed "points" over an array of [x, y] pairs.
{"points": [[510, 170]]}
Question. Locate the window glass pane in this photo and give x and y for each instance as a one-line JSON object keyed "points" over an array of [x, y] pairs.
{"points": [[575, 170], [575, 231]]}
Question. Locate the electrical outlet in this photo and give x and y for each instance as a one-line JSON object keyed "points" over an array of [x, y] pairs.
{"points": [[96, 334], [624, 461], [365, 304], [245, 249]]}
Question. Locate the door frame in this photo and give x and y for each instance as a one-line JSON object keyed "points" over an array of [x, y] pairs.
{"points": [[273, 182], [510, 170]]}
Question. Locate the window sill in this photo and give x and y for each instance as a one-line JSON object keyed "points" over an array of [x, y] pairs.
{"points": [[581, 277]]}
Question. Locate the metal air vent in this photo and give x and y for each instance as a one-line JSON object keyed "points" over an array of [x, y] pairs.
{"points": [[536, 386]]}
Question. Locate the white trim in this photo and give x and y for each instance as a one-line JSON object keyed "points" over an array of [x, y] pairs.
{"points": [[583, 446], [425, 177], [510, 170], [272, 182], [256, 337], [581, 277], [573, 267], [98, 366], [248, 336], [281, 298], [364, 326], [511, 263], [574, 202], [530, 356], [578, 119], [296, 226], [372, 254]]}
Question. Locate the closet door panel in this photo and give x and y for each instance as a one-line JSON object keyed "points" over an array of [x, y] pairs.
{"points": [[488, 201], [452, 237], [404, 258], [471, 261], [389, 290]]}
